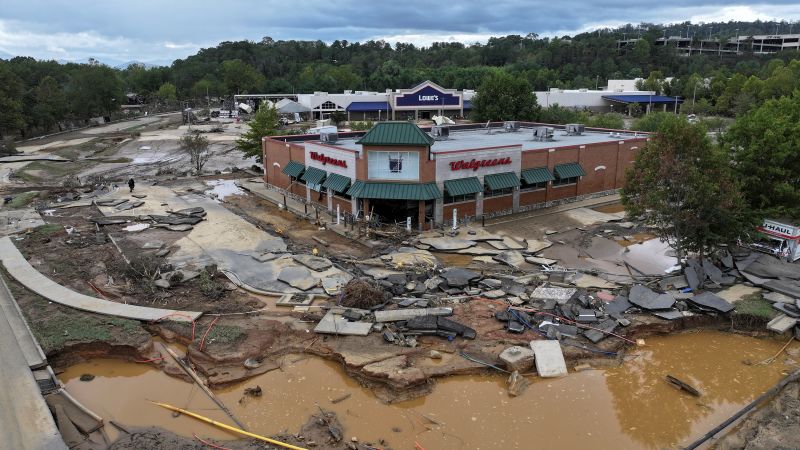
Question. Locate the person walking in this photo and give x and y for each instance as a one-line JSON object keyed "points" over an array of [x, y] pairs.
{"points": [[131, 184]]}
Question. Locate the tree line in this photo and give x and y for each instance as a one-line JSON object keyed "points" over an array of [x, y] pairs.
{"points": [[38, 96]]}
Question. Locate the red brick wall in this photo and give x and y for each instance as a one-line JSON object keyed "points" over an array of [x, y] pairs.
{"points": [[592, 158], [493, 204], [464, 209], [281, 153], [344, 205], [322, 200], [532, 197]]}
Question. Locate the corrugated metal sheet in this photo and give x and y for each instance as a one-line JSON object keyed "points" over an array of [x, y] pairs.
{"points": [[396, 133], [569, 170], [294, 169], [336, 182], [464, 186], [503, 180], [394, 191], [537, 175], [313, 175]]}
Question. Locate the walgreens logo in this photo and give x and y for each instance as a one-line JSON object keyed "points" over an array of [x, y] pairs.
{"points": [[324, 159], [476, 164]]}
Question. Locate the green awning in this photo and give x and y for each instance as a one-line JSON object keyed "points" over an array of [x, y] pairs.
{"points": [[294, 169], [396, 133], [503, 180], [464, 186], [313, 175], [537, 175], [394, 191], [569, 170], [336, 182]]}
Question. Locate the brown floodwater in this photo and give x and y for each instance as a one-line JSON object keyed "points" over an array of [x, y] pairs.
{"points": [[626, 407], [453, 259]]}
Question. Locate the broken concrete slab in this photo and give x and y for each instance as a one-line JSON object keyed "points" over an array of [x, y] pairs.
{"points": [[713, 301], [102, 221], [607, 326], [335, 323], [152, 245], [775, 297], [781, 323], [264, 257], [274, 245], [395, 315], [737, 292], [783, 287], [767, 266], [447, 243], [129, 205], [478, 250], [181, 227], [549, 358], [618, 306], [295, 300], [646, 298], [790, 309], [675, 282], [511, 257], [712, 272], [297, 277], [586, 281], [494, 294], [513, 244], [559, 294], [314, 263], [458, 278], [111, 202], [535, 246], [671, 314], [540, 261], [175, 220], [195, 211]]}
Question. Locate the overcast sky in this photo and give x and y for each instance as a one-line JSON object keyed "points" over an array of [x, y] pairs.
{"points": [[159, 31]]}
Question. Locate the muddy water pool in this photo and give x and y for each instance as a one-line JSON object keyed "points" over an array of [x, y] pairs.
{"points": [[626, 407]]}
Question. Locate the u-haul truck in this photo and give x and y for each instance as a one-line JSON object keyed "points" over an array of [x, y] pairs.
{"points": [[780, 239]]}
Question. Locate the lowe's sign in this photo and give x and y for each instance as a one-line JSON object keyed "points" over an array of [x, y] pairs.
{"points": [[429, 97]]}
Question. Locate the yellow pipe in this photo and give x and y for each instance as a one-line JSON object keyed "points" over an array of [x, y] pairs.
{"points": [[227, 427]]}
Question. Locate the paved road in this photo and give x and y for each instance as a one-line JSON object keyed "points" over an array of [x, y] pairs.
{"points": [[25, 420]]}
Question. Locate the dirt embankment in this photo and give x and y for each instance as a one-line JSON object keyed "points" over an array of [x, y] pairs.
{"points": [[775, 425]]}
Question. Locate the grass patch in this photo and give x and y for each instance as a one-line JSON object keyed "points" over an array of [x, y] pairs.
{"points": [[24, 199], [755, 305], [48, 229], [224, 334], [58, 330]]}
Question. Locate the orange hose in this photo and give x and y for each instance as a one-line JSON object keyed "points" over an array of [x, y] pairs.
{"points": [[209, 443], [203, 341]]}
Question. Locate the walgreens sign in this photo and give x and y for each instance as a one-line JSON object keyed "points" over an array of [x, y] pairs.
{"points": [[325, 160], [476, 164]]}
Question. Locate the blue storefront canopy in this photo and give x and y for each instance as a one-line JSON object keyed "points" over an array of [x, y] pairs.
{"points": [[368, 106], [637, 98]]}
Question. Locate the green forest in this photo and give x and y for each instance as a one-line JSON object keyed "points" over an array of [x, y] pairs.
{"points": [[40, 96]]}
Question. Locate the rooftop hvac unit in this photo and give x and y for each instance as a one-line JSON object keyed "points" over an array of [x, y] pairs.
{"points": [[575, 129], [511, 126], [329, 137], [440, 132], [543, 134]]}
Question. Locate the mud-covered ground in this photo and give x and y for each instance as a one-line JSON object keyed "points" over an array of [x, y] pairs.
{"points": [[322, 430], [775, 425]]}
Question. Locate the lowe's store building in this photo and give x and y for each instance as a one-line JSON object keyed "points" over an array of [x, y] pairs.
{"points": [[399, 170]]}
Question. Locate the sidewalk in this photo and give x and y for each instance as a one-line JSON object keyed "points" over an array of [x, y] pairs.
{"points": [[257, 187]]}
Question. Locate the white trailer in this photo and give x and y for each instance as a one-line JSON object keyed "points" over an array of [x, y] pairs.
{"points": [[780, 239]]}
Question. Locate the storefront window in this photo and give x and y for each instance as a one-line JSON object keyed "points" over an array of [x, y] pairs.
{"points": [[457, 198], [393, 165], [565, 181], [533, 186], [497, 192], [298, 180], [315, 187]]}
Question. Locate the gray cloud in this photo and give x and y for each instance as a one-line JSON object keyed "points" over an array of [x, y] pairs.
{"points": [[159, 31]]}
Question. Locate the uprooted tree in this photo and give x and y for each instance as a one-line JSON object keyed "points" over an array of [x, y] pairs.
{"points": [[683, 186], [197, 148]]}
